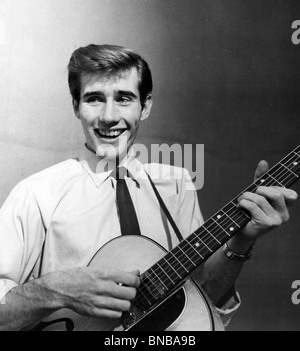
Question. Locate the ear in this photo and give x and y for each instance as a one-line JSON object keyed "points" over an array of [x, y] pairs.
{"points": [[76, 108], [147, 108]]}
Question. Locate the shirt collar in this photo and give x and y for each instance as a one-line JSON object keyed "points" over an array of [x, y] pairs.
{"points": [[100, 170]]}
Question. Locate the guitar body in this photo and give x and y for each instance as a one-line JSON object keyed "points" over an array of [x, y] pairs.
{"points": [[187, 309]]}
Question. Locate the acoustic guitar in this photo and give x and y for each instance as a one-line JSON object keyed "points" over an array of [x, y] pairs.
{"points": [[168, 297]]}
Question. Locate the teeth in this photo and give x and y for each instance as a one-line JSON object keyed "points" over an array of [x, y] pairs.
{"points": [[110, 133]]}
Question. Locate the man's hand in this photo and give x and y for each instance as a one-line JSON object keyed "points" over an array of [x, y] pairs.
{"points": [[268, 206], [89, 291], [96, 292]]}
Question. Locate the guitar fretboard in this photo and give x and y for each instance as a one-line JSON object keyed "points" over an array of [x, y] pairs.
{"points": [[171, 271]]}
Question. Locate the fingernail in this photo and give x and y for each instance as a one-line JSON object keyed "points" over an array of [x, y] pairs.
{"points": [[294, 194]]}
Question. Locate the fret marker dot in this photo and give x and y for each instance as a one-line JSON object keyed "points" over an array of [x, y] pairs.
{"points": [[231, 229], [295, 163], [219, 216], [262, 180], [197, 244]]}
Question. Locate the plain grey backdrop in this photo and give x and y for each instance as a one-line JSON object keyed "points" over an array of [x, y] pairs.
{"points": [[226, 75]]}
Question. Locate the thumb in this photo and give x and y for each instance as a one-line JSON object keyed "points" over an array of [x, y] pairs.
{"points": [[261, 169]]}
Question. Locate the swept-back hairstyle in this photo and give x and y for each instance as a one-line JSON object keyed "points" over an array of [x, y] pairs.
{"points": [[109, 60]]}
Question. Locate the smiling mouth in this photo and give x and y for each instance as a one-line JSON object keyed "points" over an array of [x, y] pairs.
{"points": [[109, 134]]}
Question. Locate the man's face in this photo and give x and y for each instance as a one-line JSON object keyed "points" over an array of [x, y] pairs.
{"points": [[110, 112]]}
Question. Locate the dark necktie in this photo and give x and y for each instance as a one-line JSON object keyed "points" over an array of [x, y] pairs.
{"points": [[128, 219]]}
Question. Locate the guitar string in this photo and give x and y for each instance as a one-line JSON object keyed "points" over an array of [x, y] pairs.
{"points": [[221, 223], [146, 292], [236, 218], [149, 275], [222, 229], [219, 230], [210, 235]]}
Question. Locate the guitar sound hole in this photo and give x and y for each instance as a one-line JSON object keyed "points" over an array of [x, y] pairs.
{"points": [[164, 315]]}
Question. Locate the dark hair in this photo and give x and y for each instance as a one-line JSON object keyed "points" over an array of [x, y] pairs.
{"points": [[111, 60]]}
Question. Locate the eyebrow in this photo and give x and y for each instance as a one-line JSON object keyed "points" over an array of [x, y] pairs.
{"points": [[126, 93], [117, 93]]}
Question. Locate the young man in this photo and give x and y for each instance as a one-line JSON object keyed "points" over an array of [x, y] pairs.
{"points": [[53, 222]]}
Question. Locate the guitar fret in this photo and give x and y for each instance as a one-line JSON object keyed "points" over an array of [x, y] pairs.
{"points": [[151, 288], [238, 211], [296, 164], [178, 262], [276, 181], [198, 253], [204, 242], [153, 285], [252, 188], [296, 153], [290, 158], [233, 203], [235, 206], [294, 174], [157, 276], [290, 163], [226, 214], [281, 173], [186, 256], [211, 235], [165, 273], [221, 227], [165, 259], [142, 293]]}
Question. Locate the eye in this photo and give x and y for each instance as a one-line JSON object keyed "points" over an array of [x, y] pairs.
{"points": [[94, 100], [124, 100]]}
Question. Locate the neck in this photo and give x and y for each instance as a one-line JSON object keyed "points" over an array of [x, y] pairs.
{"points": [[108, 163]]}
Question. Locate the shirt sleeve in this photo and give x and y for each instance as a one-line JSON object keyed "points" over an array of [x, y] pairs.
{"points": [[5, 286], [21, 237], [190, 219], [229, 308]]}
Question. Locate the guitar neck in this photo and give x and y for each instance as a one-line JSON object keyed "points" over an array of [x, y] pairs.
{"points": [[172, 270]]}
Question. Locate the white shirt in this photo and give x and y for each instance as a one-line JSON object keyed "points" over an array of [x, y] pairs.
{"points": [[58, 218]]}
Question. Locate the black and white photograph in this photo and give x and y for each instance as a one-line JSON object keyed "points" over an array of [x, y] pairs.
{"points": [[150, 153]]}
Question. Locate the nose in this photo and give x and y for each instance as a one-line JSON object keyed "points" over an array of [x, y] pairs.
{"points": [[109, 113]]}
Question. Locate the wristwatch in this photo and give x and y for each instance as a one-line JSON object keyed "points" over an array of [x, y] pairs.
{"points": [[238, 257]]}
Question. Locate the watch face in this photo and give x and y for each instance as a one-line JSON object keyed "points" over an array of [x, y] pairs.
{"points": [[233, 256]]}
